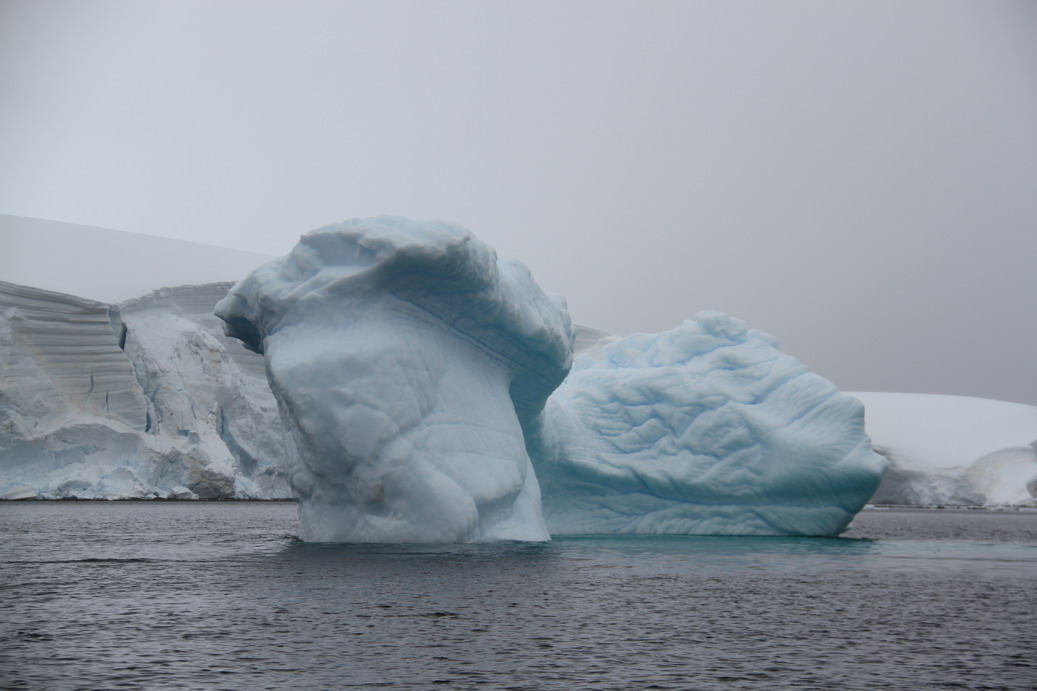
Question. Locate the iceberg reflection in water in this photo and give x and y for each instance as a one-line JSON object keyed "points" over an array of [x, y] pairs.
{"points": [[196, 595]]}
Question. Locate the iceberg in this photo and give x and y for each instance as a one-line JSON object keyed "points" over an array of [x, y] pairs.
{"points": [[408, 363], [414, 372], [707, 428]]}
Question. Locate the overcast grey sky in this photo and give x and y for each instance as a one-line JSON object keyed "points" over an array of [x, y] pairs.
{"points": [[858, 178]]}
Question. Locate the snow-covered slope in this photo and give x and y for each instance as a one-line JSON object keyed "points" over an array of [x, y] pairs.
{"points": [[953, 449], [145, 398]]}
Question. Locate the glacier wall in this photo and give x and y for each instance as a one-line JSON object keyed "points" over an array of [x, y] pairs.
{"points": [[60, 351], [142, 399], [407, 360], [707, 428]]}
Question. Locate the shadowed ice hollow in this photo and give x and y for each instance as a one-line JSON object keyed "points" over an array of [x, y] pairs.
{"points": [[406, 360]]}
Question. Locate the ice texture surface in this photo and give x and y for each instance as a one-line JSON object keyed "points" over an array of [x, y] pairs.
{"points": [[408, 363], [956, 450], [706, 428], [141, 399]]}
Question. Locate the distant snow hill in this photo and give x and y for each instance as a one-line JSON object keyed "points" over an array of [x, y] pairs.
{"points": [[110, 265], [954, 450]]}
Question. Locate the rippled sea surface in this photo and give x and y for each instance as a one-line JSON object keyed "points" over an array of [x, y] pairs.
{"points": [[221, 595]]}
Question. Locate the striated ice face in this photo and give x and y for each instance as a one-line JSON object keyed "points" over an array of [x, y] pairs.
{"points": [[407, 362], [136, 400], [706, 428]]}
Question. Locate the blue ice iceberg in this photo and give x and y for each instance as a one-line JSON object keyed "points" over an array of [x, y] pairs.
{"points": [[406, 360], [412, 368], [707, 428]]}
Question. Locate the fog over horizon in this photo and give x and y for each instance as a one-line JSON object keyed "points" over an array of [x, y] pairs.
{"points": [[857, 178]]}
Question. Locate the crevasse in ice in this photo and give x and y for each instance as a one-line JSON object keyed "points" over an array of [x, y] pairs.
{"points": [[406, 360]]}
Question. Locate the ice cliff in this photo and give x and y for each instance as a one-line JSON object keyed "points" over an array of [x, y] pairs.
{"points": [[408, 361], [421, 391], [142, 399], [706, 428]]}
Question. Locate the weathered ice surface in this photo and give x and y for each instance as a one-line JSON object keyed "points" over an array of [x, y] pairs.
{"points": [[707, 428], [61, 351], [136, 400], [407, 361], [200, 383]]}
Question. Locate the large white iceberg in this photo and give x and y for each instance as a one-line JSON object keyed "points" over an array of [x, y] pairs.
{"points": [[707, 428], [407, 361], [412, 367]]}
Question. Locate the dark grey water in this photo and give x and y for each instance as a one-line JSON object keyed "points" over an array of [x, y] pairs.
{"points": [[221, 595]]}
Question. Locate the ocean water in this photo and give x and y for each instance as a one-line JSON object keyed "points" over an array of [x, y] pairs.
{"points": [[162, 595]]}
